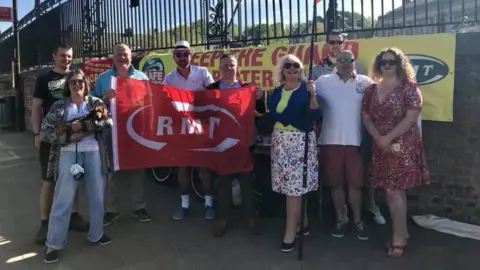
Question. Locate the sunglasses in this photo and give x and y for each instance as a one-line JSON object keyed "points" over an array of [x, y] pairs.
{"points": [[182, 54], [75, 81], [335, 42], [291, 65], [345, 60], [388, 62]]}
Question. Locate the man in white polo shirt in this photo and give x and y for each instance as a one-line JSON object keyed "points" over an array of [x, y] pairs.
{"points": [[190, 77], [340, 139]]}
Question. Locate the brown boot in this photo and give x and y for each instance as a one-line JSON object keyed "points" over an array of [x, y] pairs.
{"points": [[219, 227], [253, 227]]}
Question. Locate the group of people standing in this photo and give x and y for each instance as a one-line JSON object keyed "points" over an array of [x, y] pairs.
{"points": [[75, 148], [369, 136]]}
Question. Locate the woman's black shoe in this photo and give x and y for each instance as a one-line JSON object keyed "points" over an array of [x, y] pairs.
{"points": [[51, 257], [306, 231], [287, 247]]}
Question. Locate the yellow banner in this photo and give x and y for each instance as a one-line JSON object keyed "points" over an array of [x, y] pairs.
{"points": [[433, 57]]}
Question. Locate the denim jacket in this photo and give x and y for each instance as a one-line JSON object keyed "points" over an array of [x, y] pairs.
{"points": [[58, 116]]}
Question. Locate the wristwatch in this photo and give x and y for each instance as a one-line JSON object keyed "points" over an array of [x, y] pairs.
{"points": [[35, 134]]}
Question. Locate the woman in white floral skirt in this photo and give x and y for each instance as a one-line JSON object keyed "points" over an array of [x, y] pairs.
{"points": [[293, 106]]}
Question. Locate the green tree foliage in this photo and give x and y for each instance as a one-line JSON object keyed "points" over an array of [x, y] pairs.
{"points": [[258, 34], [358, 27]]}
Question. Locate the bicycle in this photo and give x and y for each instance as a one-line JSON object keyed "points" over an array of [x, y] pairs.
{"points": [[197, 186], [162, 174]]}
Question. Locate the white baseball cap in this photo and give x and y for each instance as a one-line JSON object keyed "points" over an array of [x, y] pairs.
{"points": [[182, 44]]}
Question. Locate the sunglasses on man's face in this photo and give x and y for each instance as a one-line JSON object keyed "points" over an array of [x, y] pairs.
{"points": [[76, 81], [335, 42], [291, 65], [345, 60], [388, 62], [182, 54]]}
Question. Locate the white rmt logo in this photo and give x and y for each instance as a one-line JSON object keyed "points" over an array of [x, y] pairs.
{"points": [[428, 69], [189, 126]]}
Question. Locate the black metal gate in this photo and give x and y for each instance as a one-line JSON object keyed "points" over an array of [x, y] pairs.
{"points": [[93, 27]]}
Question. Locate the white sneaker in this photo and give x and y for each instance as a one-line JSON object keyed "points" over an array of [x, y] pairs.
{"points": [[377, 216]]}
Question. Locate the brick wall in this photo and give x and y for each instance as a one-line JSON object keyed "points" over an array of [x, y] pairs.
{"points": [[452, 149], [28, 85], [27, 79]]}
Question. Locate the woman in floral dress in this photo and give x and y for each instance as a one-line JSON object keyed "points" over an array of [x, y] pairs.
{"points": [[391, 107], [293, 107]]}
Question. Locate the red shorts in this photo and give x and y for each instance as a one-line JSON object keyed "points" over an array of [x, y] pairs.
{"points": [[341, 165]]}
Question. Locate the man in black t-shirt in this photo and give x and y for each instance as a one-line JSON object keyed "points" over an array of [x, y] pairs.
{"points": [[48, 89]]}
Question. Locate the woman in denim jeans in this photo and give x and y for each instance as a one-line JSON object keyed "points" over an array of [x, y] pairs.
{"points": [[79, 143]]}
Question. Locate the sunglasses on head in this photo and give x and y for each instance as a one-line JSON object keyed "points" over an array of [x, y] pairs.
{"points": [[182, 54], [77, 81], [335, 42], [291, 65], [388, 62], [345, 60]]}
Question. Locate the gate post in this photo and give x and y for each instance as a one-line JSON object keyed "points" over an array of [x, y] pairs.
{"points": [[19, 98]]}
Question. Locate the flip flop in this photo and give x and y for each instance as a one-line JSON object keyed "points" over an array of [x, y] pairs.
{"points": [[396, 249], [388, 244]]}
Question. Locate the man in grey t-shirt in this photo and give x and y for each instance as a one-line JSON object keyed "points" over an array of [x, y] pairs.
{"points": [[335, 44]]}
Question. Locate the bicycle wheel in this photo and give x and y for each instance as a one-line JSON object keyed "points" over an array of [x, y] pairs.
{"points": [[197, 185], [161, 174]]}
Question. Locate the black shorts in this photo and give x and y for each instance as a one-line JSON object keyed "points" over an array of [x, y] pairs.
{"points": [[44, 153]]}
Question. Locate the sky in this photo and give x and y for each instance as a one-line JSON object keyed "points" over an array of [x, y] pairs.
{"points": [[24, 6], [27, 5]]}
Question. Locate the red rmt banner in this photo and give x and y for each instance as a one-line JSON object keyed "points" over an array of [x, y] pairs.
{"points": [[161, 126], [93, 67]]}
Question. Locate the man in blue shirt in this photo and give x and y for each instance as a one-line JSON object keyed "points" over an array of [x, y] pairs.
{"points": [[122, 60], [228, 70]]}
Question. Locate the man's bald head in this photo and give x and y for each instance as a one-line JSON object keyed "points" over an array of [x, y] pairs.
{"points": [[122, 56], [121, 46], [346, 53]]}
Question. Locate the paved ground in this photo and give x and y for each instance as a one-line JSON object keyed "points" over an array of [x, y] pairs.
{"points": [[166, 244]]}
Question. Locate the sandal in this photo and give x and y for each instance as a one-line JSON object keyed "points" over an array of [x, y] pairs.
{"points": [[388, 244], [399, 250]]}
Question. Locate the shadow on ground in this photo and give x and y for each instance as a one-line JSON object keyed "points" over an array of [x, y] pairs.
{"points": [[181, 245]]}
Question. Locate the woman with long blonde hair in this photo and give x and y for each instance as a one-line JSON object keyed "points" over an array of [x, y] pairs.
{"points": [[391, 108]]}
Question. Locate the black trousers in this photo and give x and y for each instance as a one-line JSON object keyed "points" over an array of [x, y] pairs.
{"points": [[224, 194]]}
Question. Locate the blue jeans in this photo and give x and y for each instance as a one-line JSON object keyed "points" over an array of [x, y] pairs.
{"points": [[63, 197]]}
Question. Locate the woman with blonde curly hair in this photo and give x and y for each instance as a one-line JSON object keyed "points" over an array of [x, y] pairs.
{"points": [[391, 107]]}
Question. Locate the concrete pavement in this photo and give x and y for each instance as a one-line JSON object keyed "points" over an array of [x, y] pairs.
{"points": [[181, 245]]}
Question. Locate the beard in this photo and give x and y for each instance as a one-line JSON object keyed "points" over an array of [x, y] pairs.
{"points": [[182, 63]]}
